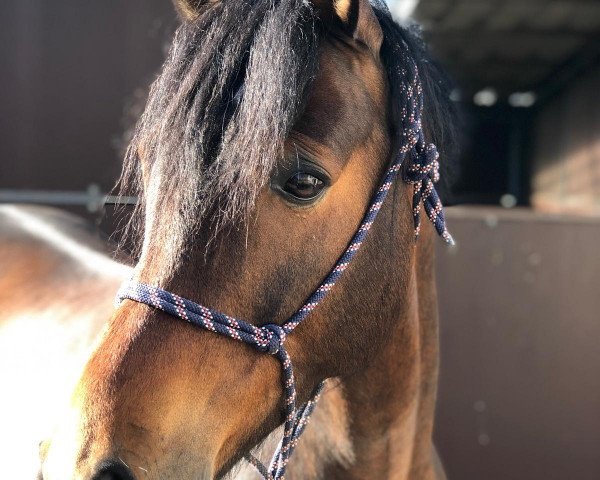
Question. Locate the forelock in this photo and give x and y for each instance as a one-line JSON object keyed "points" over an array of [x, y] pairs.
{"points": [[233, 84]]}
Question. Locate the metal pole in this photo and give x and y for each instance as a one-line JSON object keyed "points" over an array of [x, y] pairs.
{"points": [[92, 198]]}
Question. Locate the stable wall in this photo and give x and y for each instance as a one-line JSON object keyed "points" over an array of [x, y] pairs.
{"points": [[520, 363]]}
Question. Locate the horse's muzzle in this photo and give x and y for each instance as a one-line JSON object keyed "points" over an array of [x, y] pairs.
{"points": [[113, 470]]}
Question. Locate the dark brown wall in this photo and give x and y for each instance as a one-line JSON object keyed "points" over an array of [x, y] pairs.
{"points": [[520, 362], [69, 70]]}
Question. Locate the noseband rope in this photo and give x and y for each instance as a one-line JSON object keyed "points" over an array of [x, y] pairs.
{"points": [[422, 173]]}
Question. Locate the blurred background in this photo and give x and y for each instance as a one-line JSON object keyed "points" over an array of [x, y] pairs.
{"points": [[519, 296]]}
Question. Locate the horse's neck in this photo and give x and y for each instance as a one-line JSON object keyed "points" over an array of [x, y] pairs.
{"points": [[378, 423]]}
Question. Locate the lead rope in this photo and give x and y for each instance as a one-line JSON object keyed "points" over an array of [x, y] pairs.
{"points": [[422, 173]]}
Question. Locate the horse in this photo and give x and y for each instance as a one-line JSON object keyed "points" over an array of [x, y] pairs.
{"points": [[45, 337], [264, 139]]}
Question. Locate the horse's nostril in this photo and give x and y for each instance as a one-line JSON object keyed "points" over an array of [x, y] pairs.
{"points": [[113, 470]]}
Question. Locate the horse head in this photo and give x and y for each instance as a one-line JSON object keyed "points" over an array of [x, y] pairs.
{"points": [[264, 139]]}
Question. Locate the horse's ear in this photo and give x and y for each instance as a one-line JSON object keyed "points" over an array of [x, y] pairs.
{"points": [[355, 17], [189, 10]]}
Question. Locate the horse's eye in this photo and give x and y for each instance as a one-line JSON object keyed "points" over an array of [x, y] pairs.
{"points": [[304, 186]]}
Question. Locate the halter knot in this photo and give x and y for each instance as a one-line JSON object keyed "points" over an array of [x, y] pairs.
{"points": [[422, 174], [425, 166], [274, 336]]}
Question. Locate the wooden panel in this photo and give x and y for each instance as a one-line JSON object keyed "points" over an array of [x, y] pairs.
{"points": [[520, 363]]}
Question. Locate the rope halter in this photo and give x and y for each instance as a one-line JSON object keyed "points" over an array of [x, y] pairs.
{"points": [[422, 173]]}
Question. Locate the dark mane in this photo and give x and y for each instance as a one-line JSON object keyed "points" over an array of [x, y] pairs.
{"points": [[229, 92], [218, 114]]}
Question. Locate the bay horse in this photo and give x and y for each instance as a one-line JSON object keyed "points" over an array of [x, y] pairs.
{"points": [[264, 139]]}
